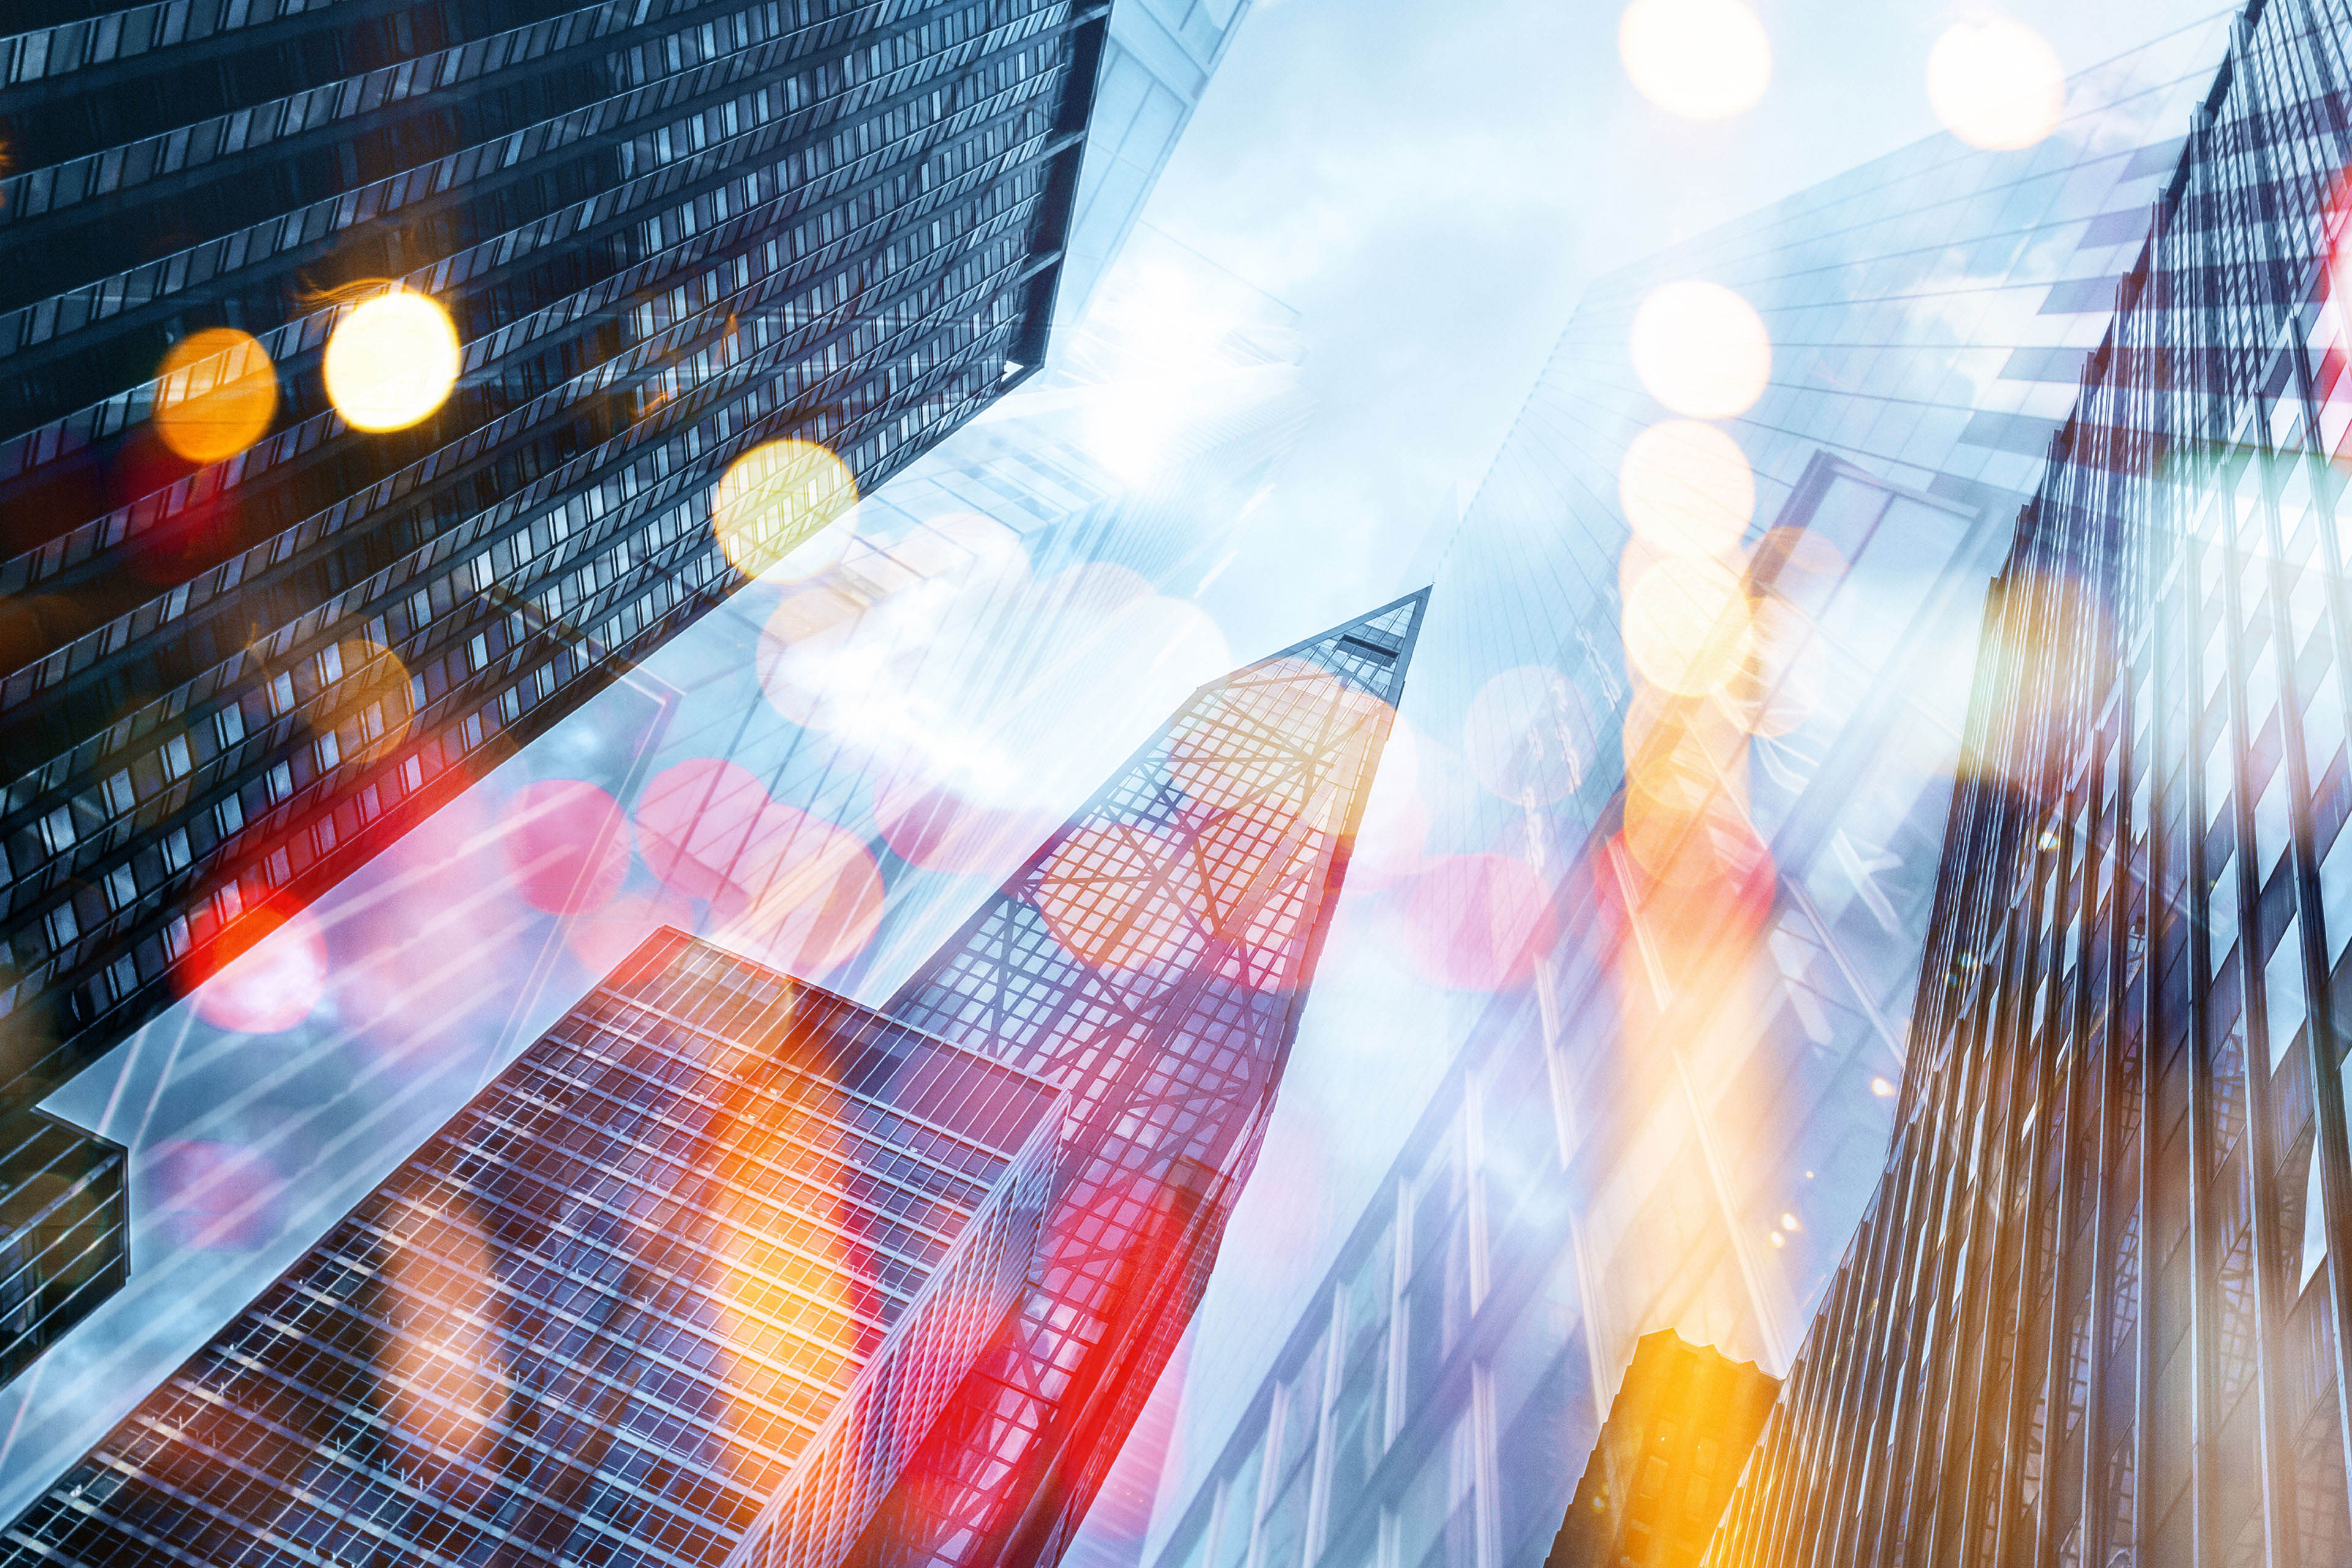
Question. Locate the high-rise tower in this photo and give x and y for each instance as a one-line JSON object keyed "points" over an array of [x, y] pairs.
{"points": [[364, 380], [2097, 1311], [1150, 960], [684, 1279]]}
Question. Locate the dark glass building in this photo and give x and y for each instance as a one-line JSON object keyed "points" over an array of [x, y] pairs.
{"points": [[272, 589], [1683, 1423], [727, 1268], [2096, 1310], [717, 1242]]}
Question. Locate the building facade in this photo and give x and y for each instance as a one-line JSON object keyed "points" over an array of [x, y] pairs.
{"points": [[1151, 960], [600, 1257], [703, 1264], [1679, 1431], [242, 656], [2095, 1311], [1688, 931]]}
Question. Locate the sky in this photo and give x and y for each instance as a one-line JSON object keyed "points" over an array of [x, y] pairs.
{"points": [[1430, 188]]}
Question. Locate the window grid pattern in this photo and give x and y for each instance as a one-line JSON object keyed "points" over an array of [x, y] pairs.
{"points": [[717, 1242], [1151, 961], [2095, 1311], [668, 232]]}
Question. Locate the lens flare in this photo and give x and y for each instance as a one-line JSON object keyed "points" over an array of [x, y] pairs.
{"points": [[370, 705], [771, 510], [567, 846], [215, 393], [1702, 60], [1701, 349], [812, 894], [1685, 623], [442, 1369], [1483, 921], [213, 1196], [1996, 84], [1529, 735], [392, 361], [1686, 488], [271, 986]]}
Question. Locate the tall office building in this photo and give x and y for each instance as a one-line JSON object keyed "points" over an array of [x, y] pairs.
{"points": [[716, 1271], [702, 1264], [1683, 949], [1682, 1425], [1152, 959], [363, 383], [2098, 1309], [366, 381]]}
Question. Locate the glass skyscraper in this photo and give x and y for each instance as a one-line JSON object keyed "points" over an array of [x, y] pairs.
{"points": [[1683, 930], [256, 625], [703, 1262], [2096, 1310], [582, 1322]]}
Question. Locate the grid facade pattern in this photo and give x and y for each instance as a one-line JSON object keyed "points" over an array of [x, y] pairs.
{"points": [[2096, 1310], [668, 234], [1151, 961], [718, 1242]]}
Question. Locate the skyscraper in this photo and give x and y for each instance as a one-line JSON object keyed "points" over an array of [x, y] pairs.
{"points": [[583, 1321], [1680, 935], [708, 1257], [405, 438], [2096, 1310], [1681, 1427], [1151, 960]]}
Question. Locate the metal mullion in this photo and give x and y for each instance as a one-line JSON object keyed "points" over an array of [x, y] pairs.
{"points": [[2204, 1259], [2153, 923], [2254, 1069], [2056, 1357], [1970, 1347], [2331, 1148], [2014, 989], [2098, 1510]]}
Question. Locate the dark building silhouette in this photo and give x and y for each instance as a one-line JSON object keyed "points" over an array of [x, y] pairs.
{"points": [[2097, 1311], [263, 602], [1684, 1421], [727, 1268]]}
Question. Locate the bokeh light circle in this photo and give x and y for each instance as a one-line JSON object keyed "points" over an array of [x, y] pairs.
{"points": [[1119, 898], [271, 986], [693, 820], [1996, 84], [1700, 349], [939, 829], [1529, 735], [566, 846], [370, 707], [778, 497], [1686, 623], [215, 393], [1481, 920], [1702, 60], [810, 894], [1686, 488], [213, 1196], [392, 361]]}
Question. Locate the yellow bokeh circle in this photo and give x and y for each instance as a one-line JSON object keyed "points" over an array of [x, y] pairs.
{"points": [[775, 499], [215, 393], [1996, 84], [1686, 623], [1701, 349], [1686, 488], [392, 361], [1702, 60]]}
